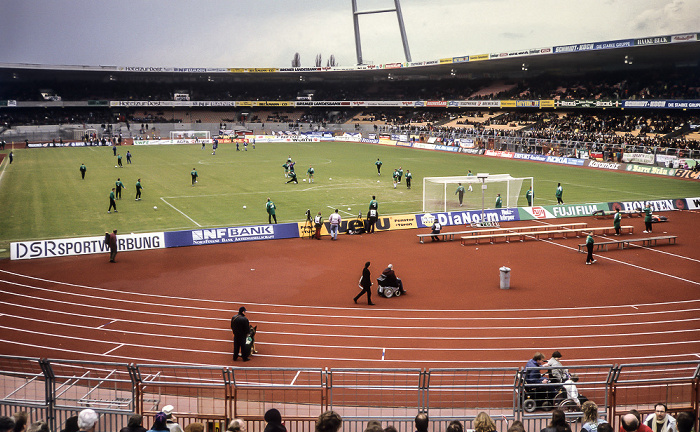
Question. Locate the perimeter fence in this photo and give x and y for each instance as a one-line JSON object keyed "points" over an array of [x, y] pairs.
{"points": [[53, 390]]}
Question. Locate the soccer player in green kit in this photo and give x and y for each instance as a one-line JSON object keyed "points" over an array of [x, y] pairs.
{"points": [[83, 169], [378, 163], [270, 206], [138, 190], [499, 202], [460, 192], [194, 176], [310, 174], [119, 185], [112, 203]]}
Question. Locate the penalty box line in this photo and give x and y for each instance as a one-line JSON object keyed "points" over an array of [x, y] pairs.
{"points": [[180, 211]]}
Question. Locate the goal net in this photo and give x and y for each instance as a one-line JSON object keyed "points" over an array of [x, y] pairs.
{"points": [[191, 134], [440, 193]]}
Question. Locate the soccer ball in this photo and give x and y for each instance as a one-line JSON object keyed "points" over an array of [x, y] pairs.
{"points": [[304, 179], [330, 178], [244, 207], [116, 166], [155, 208], [349, 208]]}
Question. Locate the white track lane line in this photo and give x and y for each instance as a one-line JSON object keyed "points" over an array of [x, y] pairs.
{"points": [[672, 304]]}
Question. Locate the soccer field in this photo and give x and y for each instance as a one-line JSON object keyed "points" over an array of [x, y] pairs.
{"points": [[42, 195]]}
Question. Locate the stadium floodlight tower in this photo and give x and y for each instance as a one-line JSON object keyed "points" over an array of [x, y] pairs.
{"points": [[482, 178], [402, 29]]}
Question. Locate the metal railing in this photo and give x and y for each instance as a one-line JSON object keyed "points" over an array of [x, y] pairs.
{"points": [[53, 390]]}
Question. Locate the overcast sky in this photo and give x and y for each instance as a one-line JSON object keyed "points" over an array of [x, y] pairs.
{"points": [[267, 33]]}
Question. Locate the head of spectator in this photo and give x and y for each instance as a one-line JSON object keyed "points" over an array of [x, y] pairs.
{"points": [[590, 412], [236, 425], [87, 419], [629, 422], [71, 424], [660, 409], [194, 427], [558, 422], [516, 426], [274, 421], [605, 427], [538, 357], [169, 416], [160, 422], [7, 424], [329, 421], [483, 423], [685, 421], [21, 421], [390, 428], [455, 426], [39, 426], [374, 426], [421, 420]]}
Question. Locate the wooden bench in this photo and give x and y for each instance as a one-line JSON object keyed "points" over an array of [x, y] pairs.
{"points": [[622, 244], [565, 233], [451, 234]]}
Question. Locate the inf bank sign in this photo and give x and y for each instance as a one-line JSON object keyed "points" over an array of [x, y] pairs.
{"points": [[207, 236]]}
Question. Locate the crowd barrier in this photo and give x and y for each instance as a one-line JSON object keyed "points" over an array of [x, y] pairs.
{"points": [[53, 390]]}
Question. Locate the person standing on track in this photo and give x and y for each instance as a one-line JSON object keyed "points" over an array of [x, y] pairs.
{"points": [[616, 222], [112, 242], [240, 326], [647, 218], [366, 285], [318, 223], [589, 247]]}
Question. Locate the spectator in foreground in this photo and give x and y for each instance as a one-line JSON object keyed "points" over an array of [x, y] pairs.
{"points": [[516, 426], [685, 421], [558, 422], [71, 425], [135, 424], [274, 421], [421, 422], [455, 426], [557, 375], [605, 427], [87, 419], [390, 428], [660, 420], [195, 427], [633, 422], [374, 426], [160, 423], [39, 426], [170, 419], [236, 425], [21, 421], [484, 423], [329, 421], [7, 424], [590, 417]]}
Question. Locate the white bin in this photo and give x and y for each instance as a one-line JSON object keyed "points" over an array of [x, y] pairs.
{"points": [[505, 277]]}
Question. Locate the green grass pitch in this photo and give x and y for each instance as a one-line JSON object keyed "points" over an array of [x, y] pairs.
{"points": [[42, 195]]}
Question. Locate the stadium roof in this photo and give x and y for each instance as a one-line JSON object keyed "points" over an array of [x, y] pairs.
{"points": [[633, 54]]}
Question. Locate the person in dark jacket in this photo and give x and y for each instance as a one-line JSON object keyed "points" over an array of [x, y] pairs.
{"points": [[365, 284], [274, 421], [135, 424], [391, 279], [240, 327]]}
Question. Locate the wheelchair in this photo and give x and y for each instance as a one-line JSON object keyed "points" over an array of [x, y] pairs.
{"points": [[386, 290]]}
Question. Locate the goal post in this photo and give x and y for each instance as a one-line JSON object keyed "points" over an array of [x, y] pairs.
{"points": [[440, 193], [190, 134]]}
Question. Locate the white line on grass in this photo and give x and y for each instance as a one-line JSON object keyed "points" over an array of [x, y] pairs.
{"points": [[179, 211]]}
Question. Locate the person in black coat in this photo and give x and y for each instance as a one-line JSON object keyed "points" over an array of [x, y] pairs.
{"points": [[240, 327], [365, 284]]}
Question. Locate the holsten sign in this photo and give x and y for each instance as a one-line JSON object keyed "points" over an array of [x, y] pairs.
{"points": [[83, 246]]}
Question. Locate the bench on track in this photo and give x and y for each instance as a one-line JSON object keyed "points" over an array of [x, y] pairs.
{"points": [[627, 243], [451, 234], [565, 233]]}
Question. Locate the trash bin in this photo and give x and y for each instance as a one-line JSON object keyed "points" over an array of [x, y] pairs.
{"points": [[505, 277]]}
